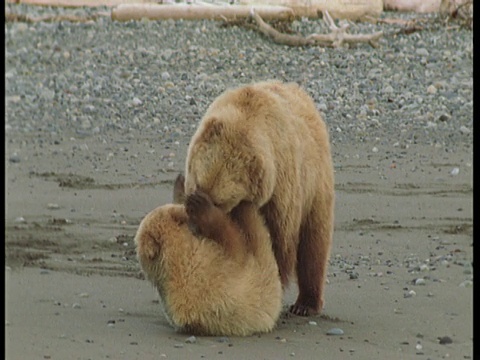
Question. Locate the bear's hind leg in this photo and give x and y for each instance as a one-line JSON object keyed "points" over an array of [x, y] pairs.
{"points": [[312, 260]]}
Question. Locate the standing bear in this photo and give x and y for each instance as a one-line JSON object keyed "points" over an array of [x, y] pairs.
{"points": [[267, 144], [220, 279]]}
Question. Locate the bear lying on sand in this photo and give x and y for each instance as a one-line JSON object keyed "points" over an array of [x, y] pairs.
{"points": [[220, 280], [267, 144]]}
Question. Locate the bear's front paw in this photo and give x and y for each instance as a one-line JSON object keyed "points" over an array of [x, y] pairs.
{"points": [[199, 208]]}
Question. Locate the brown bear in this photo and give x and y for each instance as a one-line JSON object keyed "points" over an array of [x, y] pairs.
{"points": [[267, 144], [209, 282]]}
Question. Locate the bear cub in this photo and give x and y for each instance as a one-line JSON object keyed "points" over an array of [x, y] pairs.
{"points": [[215, 276]]}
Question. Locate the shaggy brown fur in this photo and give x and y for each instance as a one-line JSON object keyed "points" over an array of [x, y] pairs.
{"points": [[267, 144], [210, 283]]}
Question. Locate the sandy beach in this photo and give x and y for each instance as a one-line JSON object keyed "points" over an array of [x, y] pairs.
{"points": [[400, 279]]}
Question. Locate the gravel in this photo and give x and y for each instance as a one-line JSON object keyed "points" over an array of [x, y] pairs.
{"points": [[90, 79]]}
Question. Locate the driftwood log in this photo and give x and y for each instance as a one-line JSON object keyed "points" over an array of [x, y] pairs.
{"points": [[194, 12], [337, 37]]}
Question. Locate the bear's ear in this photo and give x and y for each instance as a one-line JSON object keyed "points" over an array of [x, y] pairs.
{"points": [[213, 128], [179, 190]]}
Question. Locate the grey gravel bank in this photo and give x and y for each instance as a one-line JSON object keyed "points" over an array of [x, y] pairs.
{"points": [[83, 79]]}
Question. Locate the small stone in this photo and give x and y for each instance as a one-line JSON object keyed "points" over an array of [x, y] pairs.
{"points": [[387, 90], [314, 323], [14, 159], [76, 306], [455, 171], [20, 219], [178, 346], [422, 52], [409, 294], [420, 281], [445, 340], [466, 283], [432, 89], [335, 331], [444, 117], [84, 295], [191, 340], [165, 75], [137, 101], [423, 268], [52, 206], [465, 130], [223, 339]]}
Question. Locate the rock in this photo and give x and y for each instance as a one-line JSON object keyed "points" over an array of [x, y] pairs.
{"points": [[335, 331], [466, 284], [431, 89], [14, 159], [444, 340], [455, 171], [464, 130], [136, 101], [422, 52], [191, 340], [420, 281]]}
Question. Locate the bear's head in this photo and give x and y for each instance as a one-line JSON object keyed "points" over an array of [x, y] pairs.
{"points": [[225, 162], [161, 224]]}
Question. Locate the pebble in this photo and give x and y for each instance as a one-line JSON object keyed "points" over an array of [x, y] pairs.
{"points": [[20, 219], [444, 117], [52, 206], [466, 284], [223, 339], [136, 101], [422, 52], [314, 323], [420, 281], [423, 268], [409, 294], [191, 340], [465, 130], [14, 159], [444, 340], [432, 89], [455, 171], [84, 295], [76, 306], [335, 331]]}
